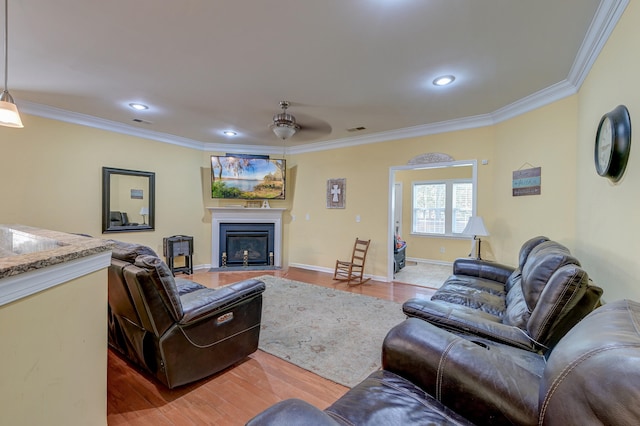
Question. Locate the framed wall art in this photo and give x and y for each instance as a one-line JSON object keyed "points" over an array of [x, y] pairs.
{"points": [[336, 193]]}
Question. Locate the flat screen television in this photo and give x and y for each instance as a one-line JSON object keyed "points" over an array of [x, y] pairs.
{"points": [[247, 177]]}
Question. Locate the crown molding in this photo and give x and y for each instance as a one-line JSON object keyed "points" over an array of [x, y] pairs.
{"points": [[607, 16], [605, 20], [108, 125]]}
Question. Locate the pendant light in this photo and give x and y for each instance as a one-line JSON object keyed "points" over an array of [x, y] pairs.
{"points": [[9, 115]]}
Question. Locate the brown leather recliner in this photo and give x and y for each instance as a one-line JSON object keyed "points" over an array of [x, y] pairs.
{"points": [[178, 330], [530, 307], [432, 376]]}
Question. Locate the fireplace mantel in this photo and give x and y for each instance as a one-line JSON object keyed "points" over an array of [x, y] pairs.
{"points": [[245, 215]]}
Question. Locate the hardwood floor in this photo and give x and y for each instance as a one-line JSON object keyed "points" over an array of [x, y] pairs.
{"points": [[237, 394]]}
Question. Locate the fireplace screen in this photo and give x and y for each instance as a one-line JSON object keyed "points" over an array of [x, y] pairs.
{"points": [[243, 244]]}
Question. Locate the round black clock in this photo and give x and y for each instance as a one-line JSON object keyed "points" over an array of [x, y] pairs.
{"points": [[613, 143]]}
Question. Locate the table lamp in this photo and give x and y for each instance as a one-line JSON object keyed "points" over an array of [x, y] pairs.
{"points": [[475, 227], [144, 211]]}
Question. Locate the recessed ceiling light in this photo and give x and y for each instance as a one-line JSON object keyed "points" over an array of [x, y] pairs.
{"points": [[444, 80], [139, 107], [230, 133]]}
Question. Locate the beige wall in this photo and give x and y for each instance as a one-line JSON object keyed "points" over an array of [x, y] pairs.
{"points": [[51, 174], [329, 233], [543, 138], [608, 234], [54, 355]]}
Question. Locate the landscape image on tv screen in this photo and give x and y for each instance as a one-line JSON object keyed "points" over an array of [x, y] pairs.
{"points": [[249, 178]]}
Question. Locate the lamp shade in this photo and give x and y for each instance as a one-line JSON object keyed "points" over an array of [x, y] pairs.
{"points": [[9, 115], [144, 211], [475, 226]]}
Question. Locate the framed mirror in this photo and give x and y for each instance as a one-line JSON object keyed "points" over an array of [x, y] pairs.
{"points": [[128, 200]]}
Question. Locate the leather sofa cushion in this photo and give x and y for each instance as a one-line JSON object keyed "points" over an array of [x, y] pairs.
{"points": [[592, 374], [557, 304], [207, 301], [543, 261], [526, 248], [516, 314], [472, 292], [164, 282], [128, 252], [384, 398]]}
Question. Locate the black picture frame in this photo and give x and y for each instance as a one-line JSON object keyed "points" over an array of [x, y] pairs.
{"points": [[113, 219]]}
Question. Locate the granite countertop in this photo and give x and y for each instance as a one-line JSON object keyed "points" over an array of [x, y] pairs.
{"points": [[53, 247]]}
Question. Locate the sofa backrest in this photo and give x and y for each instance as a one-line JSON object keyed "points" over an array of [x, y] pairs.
{"points": [[560, 305], [526, 248], [162, 283], [128, 252], [542, 262], [143, 288], [551, 294], [592, 375]]}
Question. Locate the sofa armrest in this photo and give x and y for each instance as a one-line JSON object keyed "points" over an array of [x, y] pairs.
{"points": [[461, 319], [292, 412], [206, 302], [482, 269], [478, 381]]}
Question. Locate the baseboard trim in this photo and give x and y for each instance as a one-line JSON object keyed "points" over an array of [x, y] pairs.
{"points": [[331, 270], [430, 261]]}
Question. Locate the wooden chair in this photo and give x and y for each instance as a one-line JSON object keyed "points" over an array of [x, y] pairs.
{"points": [[353, 270]]}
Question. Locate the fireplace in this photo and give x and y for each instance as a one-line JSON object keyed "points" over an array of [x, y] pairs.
{"points": [[246, 216], [246, 244]]}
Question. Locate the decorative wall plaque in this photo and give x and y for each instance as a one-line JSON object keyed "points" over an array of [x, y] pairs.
{"points": [[336, 193], [431, 157]]}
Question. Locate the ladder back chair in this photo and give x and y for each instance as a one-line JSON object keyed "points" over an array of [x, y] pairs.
{"points": [[353, 270]]}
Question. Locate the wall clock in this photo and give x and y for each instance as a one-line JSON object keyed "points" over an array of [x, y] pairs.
{"points": [[613, 143]]}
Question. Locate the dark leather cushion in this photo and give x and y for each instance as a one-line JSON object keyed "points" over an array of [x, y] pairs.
{"points": [[517, 314], [164, 282], [592, 375], [385, 398], [543, 261], [469, 292], [128, 252], [526, 248], [293, 412]]}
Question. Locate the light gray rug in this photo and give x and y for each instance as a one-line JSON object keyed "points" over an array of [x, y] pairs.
{"points": [[335, 334]]}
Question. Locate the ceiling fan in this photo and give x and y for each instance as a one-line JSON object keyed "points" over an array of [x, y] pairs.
{"points": [[284, 125]]}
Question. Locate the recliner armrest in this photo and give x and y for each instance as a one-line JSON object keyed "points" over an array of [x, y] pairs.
{"points": [[482, 269], [292, 412], [461, 319], [479, 381], [206, 302]]}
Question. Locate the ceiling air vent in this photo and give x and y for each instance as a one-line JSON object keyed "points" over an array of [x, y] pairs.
{"points": [[139, 120], [356, 129]]}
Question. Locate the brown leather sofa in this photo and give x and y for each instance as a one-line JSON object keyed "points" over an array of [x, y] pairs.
{"points": [[433, 376], [530, 307], [175, 329]]}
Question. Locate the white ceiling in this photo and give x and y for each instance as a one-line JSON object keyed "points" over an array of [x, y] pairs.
{"points": [[207, 66]]}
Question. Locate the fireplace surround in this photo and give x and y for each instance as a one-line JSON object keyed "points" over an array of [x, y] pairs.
{"points": [[245, 218]]}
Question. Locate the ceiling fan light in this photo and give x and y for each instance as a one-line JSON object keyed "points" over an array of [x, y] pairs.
{"points": [[284, 131], [9, 115], [284, 124]]}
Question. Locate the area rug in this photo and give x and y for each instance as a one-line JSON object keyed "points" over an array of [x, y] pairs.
{"points": [[335, 334]]}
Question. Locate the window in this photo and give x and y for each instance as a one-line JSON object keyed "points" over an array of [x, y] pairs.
{"points": [[442, 207]]}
